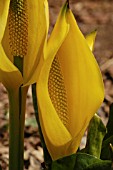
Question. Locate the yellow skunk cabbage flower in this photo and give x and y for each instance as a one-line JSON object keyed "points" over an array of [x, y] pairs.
{"points": [[23, 30], [69, 89]]}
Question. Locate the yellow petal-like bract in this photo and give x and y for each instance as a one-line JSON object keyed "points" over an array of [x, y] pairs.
{"points": [[23, 31], [4, 8], [69, 89], [9, 74]]}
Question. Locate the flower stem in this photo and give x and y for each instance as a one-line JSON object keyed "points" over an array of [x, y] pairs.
{"points": [[47, 157], [17, 101]]}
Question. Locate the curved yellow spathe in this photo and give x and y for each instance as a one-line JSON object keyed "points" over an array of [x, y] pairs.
{"points": [[69, 89], [23, 34], [10, 76], [4, 8]]}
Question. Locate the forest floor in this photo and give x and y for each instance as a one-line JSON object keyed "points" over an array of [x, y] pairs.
{"points": [[90, 15]]}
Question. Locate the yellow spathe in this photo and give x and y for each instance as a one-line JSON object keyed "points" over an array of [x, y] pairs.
{"points": [[23, 28], [4, 7], [70, 87]]}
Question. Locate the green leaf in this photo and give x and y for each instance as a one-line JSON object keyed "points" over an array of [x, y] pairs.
{"points": [[96, 133], [66, 163], [106, 152], [88, 162], [110, 124], [104, 165], [81, 161]]}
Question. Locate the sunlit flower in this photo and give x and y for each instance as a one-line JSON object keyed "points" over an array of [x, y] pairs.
{"points": [[69, 88], [23, 31]]}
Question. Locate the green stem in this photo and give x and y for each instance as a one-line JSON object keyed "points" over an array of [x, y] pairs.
{"points": [[47, 157], [17, 101]]}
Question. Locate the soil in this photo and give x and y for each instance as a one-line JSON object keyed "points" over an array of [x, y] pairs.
{"points": [[90, 15]]}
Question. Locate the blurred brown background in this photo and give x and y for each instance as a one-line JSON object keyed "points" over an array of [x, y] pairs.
{"points": [[90, 15]]}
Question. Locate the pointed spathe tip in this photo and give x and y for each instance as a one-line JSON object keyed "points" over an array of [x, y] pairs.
{"points": [[67, 4]]}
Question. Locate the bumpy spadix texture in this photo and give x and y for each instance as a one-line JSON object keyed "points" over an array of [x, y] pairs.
{"points": [[57, 91], [24, 26], [70, 87], [18, 27]]}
